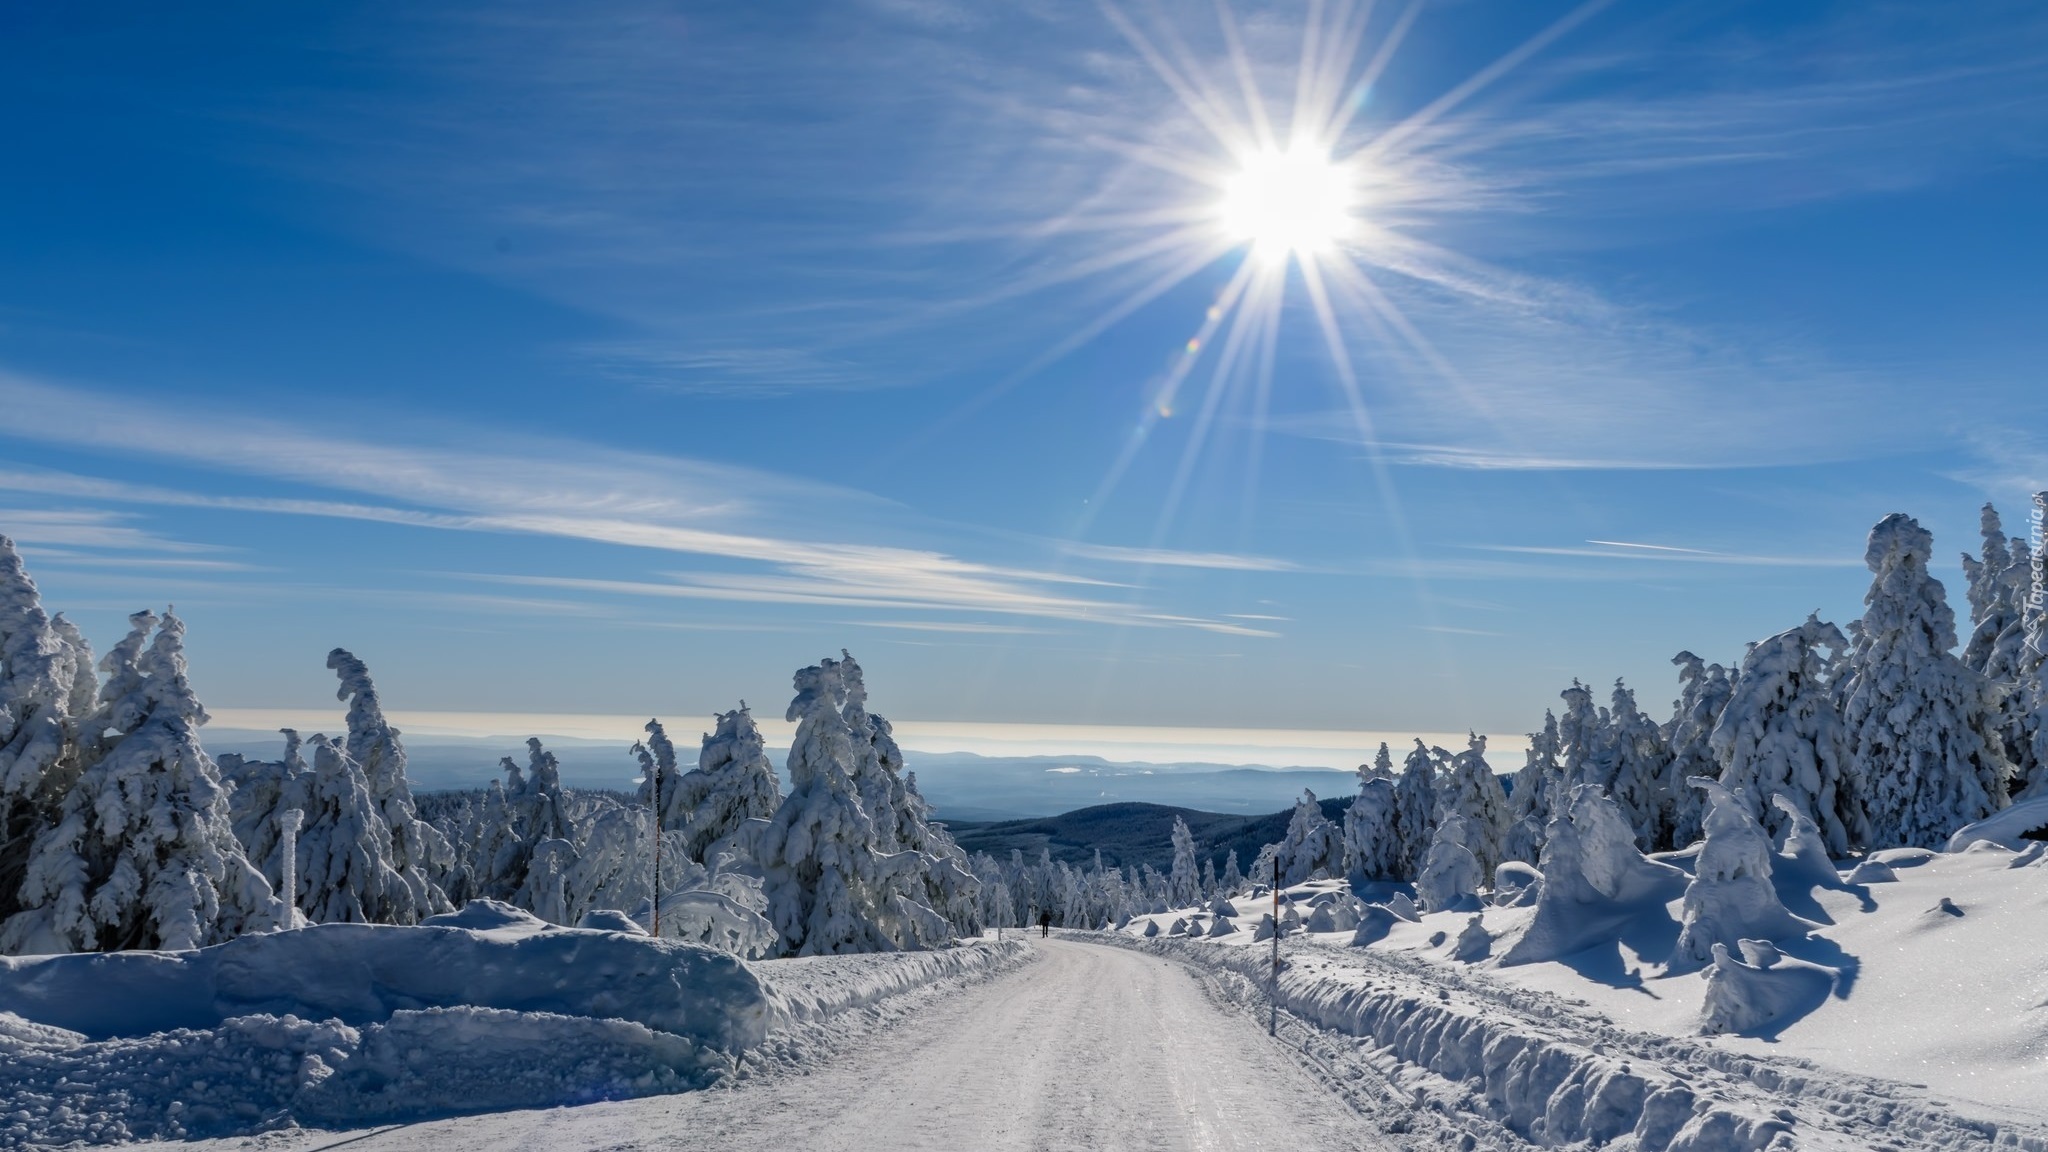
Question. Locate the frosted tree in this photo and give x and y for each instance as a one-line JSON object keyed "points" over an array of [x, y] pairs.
{"points": [[829, 889], [1451, 873], [732, 783], [346, 873], [1780, 734], [47, 690], [1183, 882], [1472, 791], [543, 835], [1731, 898], [1415, 798], [1209, 888], [1578, 738], [143, 853], [1312, 843], [418, 850], [1999, 647], [1922, 727], [1703, 693], [1628, 761], [1536, 787], [496, 854], [1233, 880], [1372, 835]]}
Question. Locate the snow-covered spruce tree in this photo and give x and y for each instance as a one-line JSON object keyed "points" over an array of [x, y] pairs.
{"points": [[1537, 785], [496, 856], [1415, 798], [346, 873], [733, 782], [1703, 693], [829, 889], [47, 690], [418, 850], [1578, 738], [1628, 761], [1183, 883], [1922, 727], [2000, 591], [1312, 843], [1472, 791], [1996, 589], [1451, 873], [1780, 735], [143, 853], [1233, 880], [1730, 898], [1372, 836]]}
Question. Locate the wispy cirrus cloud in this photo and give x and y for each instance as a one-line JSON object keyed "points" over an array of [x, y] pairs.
{"points": [[89, 528], [1172, 558], [563, 491], [1665, 553]]}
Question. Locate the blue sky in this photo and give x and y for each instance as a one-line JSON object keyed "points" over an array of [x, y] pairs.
{"points": [[620, 358]]}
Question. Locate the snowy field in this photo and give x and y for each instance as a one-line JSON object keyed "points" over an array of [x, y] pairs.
{"points": [[1919, 1016]]}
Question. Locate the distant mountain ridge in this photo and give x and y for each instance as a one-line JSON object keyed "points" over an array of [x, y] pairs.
{"points": [[1131, 833]]}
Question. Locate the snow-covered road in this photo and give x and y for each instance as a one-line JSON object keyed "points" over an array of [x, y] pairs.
{"points": [[1088, 1048]]}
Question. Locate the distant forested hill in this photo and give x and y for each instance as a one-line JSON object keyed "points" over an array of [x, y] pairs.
{"points": [[1131, 834]]}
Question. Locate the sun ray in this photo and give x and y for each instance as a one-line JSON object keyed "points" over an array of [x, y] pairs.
{"points": [[1486, 76], [1195, 102], [1248, 87]]}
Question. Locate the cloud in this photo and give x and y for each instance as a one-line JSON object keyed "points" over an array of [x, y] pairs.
{"points": [[87, 528], [562, 490], [1169, 558], [1622, 550]]}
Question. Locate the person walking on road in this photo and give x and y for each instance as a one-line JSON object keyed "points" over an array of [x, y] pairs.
{"points": [[1044, 924]]}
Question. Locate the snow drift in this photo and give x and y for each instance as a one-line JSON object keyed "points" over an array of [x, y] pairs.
{"points": [[349, 1023]]}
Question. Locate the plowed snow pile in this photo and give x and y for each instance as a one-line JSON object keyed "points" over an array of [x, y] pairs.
{"points": [[346, 1024]]}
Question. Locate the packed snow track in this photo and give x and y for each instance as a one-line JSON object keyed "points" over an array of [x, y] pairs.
{"points": [[1088, 1047]]}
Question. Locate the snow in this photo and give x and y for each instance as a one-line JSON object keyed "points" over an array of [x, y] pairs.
{"points": [[2008, 829], [486, 1009], [1085, 1047], [1908, 1014]]}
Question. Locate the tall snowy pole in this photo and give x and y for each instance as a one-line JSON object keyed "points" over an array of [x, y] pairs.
{"points": [[288, 823], [1273, 1016]]}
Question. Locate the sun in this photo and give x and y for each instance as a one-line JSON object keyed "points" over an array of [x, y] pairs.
{"points": [[1296, 202]]}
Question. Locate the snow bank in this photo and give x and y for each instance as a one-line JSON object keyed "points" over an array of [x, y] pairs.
{"points": [[815, 988], [1460, 1045], [363, 973], [348, 1025], [358, 1024], [2007, 829]]}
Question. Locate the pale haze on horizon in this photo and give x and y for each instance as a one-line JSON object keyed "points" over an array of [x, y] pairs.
{"points": [[1070, 366]]}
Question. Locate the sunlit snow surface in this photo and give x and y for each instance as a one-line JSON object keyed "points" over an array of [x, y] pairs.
{"points": [[1948, 1001]]}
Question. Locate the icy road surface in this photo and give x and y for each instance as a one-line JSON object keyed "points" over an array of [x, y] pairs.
{"points": [[1089, 1047]]}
